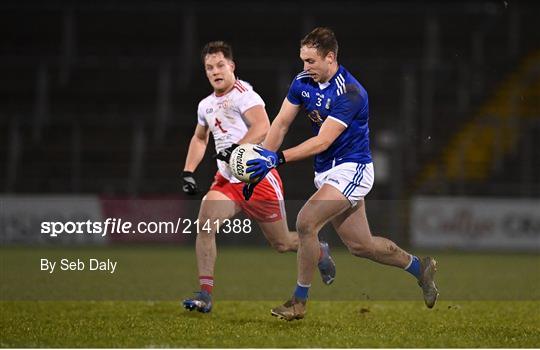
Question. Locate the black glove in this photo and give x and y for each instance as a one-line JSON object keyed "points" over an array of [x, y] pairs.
{"points": [[225, 154], [189, 185]]}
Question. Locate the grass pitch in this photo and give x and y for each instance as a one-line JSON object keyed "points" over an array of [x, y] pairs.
{"points": [[249, 324], [487, 300]]}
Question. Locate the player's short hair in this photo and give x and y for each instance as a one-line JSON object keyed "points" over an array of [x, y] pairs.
{"points": [[215, 47], [323, 39]]}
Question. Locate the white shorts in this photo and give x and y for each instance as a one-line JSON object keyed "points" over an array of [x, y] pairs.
{"points": [[354, 180]]}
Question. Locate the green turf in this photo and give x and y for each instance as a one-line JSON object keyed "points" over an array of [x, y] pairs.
{"points": [[249, 324], [169, 273], [487, 300]]}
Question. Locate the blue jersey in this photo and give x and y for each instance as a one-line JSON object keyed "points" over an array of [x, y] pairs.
{"points": [[344, 100]]}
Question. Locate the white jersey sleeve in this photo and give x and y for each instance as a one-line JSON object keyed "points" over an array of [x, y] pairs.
{"points": [[249, 99]]}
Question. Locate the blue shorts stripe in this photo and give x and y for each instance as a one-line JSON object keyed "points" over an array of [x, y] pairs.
{"points": [[356, 180], [356, 183], [352, 182]]}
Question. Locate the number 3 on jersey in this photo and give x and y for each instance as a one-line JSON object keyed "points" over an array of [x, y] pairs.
{"points": [[319, 99]]}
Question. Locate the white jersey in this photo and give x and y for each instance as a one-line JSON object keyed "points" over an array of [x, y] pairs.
{"points": [[224, 115]]}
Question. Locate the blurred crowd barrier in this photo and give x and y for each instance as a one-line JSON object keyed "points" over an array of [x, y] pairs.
{"points": [[461, 223]]}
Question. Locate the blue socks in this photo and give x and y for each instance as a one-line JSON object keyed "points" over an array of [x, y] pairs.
{"points": [[414, 266], [301, 291]]}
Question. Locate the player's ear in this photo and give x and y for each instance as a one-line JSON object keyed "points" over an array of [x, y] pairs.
{"points": [[233, 66], [331, 57]]}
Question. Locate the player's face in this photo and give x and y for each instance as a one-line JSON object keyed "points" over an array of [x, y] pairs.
{"points": [[219, 71], [317, 66]]}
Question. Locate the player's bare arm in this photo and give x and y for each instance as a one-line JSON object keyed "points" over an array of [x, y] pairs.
{"points": [[197, 148], [280, 125], [258, 168], [329, 132], [259, 124]]}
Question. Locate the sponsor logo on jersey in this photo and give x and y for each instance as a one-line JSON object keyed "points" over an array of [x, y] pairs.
{"points": [[315, 117]]}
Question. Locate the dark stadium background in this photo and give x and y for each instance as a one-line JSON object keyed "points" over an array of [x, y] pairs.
{"points": [[101, 97], [98, 103]]}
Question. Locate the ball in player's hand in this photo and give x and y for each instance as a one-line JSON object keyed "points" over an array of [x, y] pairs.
{"points": [[239, 157]]}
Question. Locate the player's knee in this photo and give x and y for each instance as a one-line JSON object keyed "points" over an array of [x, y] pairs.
{"points": [[304, 226], [306, 223], [360, 249]]}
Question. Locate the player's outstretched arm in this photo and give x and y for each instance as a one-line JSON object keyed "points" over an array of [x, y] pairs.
{"points": [[197, 147], [280, 125], [329, 132]]}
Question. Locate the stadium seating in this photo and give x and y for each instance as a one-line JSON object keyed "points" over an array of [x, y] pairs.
{"points": [[104, 96], [501, 129]]}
